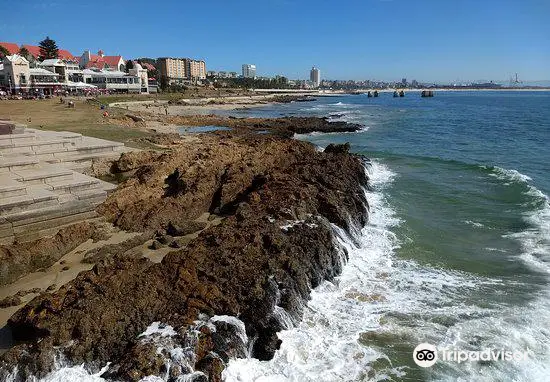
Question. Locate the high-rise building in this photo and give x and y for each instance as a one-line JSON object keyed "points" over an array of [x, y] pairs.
{"points": [[315, 77], [249, 71], [173, 69], [181, 69], [196, 70]]}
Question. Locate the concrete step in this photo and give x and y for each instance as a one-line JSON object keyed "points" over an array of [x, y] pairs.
{"points": [[65, 135], [79, 182], [82, 156], [94, 196], [13, 138], [36, 197], [106, 186], [13, 163], [36, 146], [10, 187], [32, 224], [42, 175]]}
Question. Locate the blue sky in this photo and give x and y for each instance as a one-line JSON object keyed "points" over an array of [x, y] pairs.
{"points": [[427, 40]]}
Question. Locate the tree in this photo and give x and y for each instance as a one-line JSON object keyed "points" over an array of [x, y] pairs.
{"points": [[3, 52], [48, 49], [25, 53], [129, 64]]}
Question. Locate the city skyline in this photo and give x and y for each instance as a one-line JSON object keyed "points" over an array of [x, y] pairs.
{"points": [[375, 39]]}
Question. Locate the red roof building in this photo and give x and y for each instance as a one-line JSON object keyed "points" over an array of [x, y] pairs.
{"points": [[65, 55], [148, 66], [33, 50], [98, 61], [62, 53], [10, 47]]}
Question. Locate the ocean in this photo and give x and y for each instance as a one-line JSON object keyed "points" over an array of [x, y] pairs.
{"points": [[456, 253], [457, 250]]}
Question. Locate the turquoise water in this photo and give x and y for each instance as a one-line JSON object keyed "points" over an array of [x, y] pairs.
{"points": [[457, 253]]}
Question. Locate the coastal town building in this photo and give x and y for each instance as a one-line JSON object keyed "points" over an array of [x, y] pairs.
{"points": [[173, 69], [249, 71], [53, 75], [55, 65], [17, 77], [196, 70], [34, 51], [315, 77], [10, 47], [141, 73], [14, 73], [100, 61], [113, 80], [181, 70]]}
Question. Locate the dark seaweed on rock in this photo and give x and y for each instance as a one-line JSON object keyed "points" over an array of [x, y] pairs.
{"points": [[279, 198]]}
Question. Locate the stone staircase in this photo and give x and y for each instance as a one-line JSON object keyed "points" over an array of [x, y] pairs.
{"points": [[40, 189]]}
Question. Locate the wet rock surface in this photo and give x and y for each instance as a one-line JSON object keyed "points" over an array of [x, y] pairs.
{"points": [[284, 126], [278, 198]]}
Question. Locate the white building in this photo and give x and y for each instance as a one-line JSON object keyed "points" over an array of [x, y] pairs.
{"points": [[113, 80], [16, 77], [315, 77], [141, 73], [249, 71]]}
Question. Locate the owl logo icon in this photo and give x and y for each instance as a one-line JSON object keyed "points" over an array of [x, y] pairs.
{"points": [[425, 355]]}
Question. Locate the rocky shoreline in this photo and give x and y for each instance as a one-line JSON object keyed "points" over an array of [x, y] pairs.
{"points": [[229, 290]]}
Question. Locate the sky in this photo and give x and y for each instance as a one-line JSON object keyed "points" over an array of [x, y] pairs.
{"points": [[428, 40]]}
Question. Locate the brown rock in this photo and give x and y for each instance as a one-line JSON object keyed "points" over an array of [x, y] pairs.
{"points": [[244, 266], [10, 301], [19, 259], [184, 227]]}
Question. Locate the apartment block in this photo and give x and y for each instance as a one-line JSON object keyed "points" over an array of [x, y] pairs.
{"points": [[181, 69], [174, 69]]}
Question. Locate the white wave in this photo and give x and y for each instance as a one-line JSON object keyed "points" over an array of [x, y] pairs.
{"points": [[234, 321], [324, 346], [509, 175], [535, 240], [305, 137], [348, 326], [74, 374]]}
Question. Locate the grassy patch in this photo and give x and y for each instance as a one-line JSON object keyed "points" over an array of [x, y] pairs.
{"points": [[86, 118]]}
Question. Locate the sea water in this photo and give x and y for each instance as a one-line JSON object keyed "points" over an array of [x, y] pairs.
{"points": [[456, 252]]}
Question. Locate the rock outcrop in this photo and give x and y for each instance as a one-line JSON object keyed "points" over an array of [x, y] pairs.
{"points": [[285, 126], [279, 198], [19, 259]]}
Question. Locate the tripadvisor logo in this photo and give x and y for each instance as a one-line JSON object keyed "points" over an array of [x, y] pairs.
{"points": [[425, 355]]}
